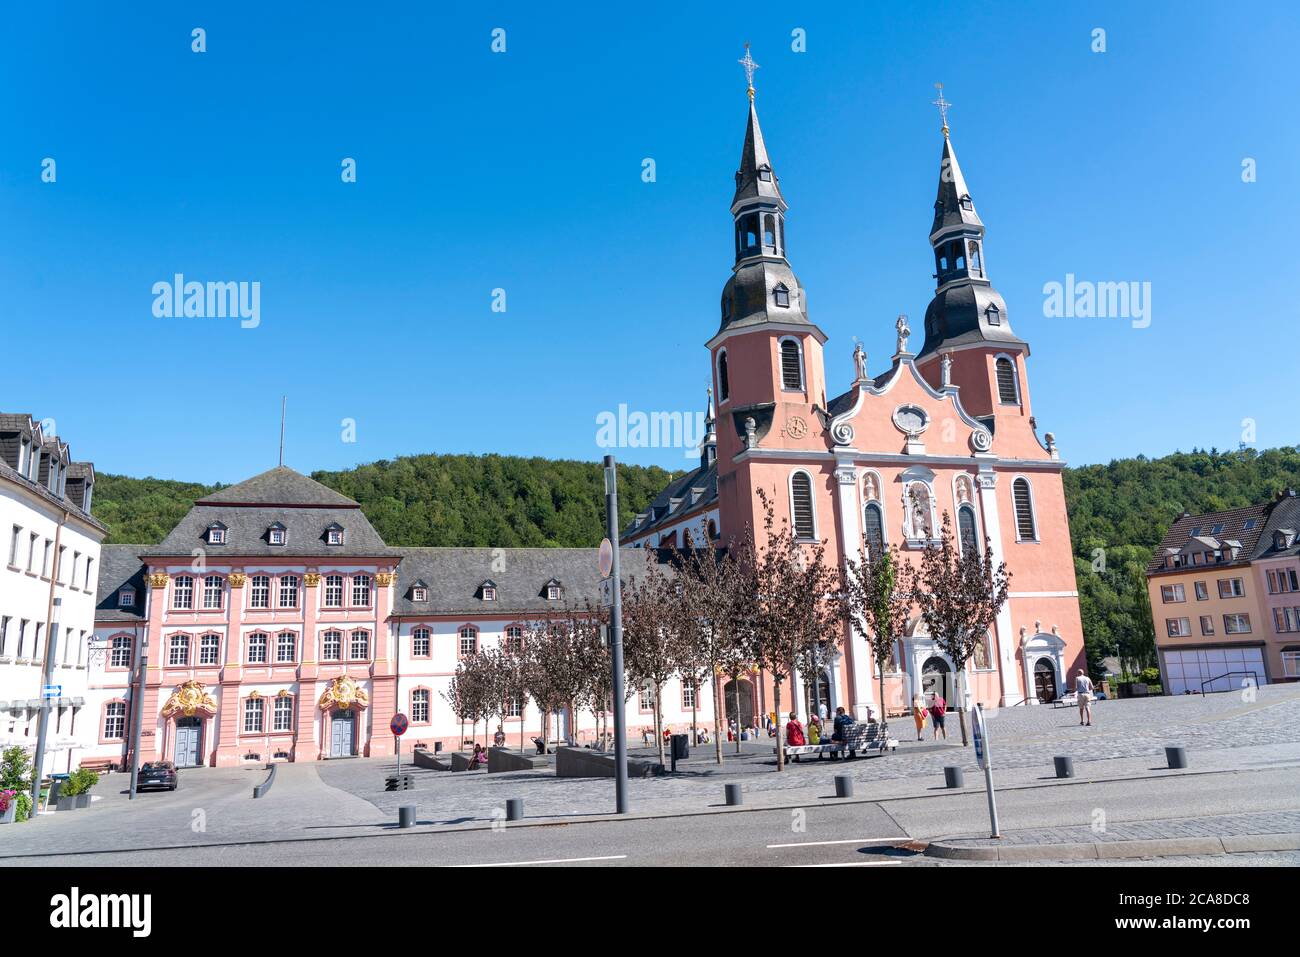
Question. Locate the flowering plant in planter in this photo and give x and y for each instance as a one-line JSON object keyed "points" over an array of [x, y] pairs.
{"points": [[7, 799]]}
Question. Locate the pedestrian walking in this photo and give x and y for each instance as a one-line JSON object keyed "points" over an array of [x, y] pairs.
{"points": [[1083, 692], [938, 707], [918, 716]]}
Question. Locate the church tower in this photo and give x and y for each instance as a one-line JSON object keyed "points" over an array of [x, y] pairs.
{"points": [[967, 318], [767, 355]]}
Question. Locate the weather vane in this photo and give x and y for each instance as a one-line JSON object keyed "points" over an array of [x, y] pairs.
{"points": [[750, 66], [943, 105]]}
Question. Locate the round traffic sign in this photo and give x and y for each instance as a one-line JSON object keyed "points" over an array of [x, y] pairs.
{"points": [[399, 724], [606, 558]]}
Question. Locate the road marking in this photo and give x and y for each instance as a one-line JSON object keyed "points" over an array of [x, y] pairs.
{"points": [[850, 864], [856, 840], [558, 860]]}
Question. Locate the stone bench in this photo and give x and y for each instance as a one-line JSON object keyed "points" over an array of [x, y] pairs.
{"points": [[500, 759], [586, 763], [434, 761]]}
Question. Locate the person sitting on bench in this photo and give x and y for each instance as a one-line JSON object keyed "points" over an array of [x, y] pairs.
{"points": [[843, 725]]}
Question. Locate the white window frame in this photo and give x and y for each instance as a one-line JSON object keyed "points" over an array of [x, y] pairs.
{"points": [[286, 712], [280, 637], [213, 594], [360, 634], [463, 634], [183, 587], [334, 584], [331, 635], [214, 646], [362, 587], [178, 650], [259, 591], [1015, 380], [288, 585], [254, 716], [780, 364], [262, 643], [812, 495], [421, 637], [126, 598]]}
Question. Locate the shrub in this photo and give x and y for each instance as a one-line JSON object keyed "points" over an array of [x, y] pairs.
{"points": [[1151, 676], [85, 779], [24, 807], [15, 769]]}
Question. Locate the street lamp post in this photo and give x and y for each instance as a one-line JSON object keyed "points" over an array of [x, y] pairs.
{"points": [[616, 639], [137, 710], [43, 722]]}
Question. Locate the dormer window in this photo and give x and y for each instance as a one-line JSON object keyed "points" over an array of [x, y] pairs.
{"points": [[276, 534], [489, 593], [126, 598], [966, 203], [334, 534], [419, 593], [993, 315], [765, 174], [781, 294], [216, 534], [552, 590]]}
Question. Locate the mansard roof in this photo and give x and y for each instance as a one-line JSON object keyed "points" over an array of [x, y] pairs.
{"points": [[677, 499], [120, 567], [279, 486], [246, 532]]}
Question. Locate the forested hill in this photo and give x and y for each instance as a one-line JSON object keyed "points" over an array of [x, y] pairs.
{"points": [[495, 500], [1118, 513]]}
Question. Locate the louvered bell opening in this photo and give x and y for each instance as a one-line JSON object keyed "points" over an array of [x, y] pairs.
{"points": [[803, 506], [791, 375], [1024, 512], [1007, 382]]}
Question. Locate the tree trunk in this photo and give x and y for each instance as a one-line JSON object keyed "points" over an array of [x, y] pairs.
{"points": [[695, 701], [961, 703], [546, 717], [735, 680], [659, 720], [780, 738], [717, 721]]}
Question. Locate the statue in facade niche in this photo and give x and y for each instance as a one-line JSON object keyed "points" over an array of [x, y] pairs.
{"points": [[903, 332]]}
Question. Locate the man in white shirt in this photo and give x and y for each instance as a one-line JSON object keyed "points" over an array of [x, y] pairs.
{"points": [[1083, 692]]}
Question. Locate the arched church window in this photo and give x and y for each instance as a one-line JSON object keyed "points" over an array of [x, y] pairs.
{"points": [[1008, 389], [724, 382], [801, 506], [769, 230], [750, 228], [791, 366], [782, 294], [966, 529], [873, 530], [974, 250], [1026, 529]]}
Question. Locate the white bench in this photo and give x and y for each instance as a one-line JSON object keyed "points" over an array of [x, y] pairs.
{"points": [[864, 737]]}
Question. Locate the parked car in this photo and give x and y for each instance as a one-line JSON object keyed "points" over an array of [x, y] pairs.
{"points": [[157, 774]]}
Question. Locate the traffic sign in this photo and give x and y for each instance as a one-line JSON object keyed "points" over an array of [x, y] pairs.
{"points": [[606, 558], [606, 592], [399, 724], [52, 691], [977, 732]]}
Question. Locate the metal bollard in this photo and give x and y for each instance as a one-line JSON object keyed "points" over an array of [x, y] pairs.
{"points": [[843, 786], [733, 794], [514, 809], [1176, 757], [953, 777], [406, 815], [1064, 766]]}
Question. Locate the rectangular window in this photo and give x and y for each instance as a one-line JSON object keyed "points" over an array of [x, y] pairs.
{"points": [[45, 559], [361, 591], [31, 552], [209, 649], [1207, 624], [13, 545], [62, 570], [4, 634], [259, 592], [1236, 624], [420, 643], [1172, 593], [420, 706], [183, 592], [1178, 627], [1231, 588], [288, 591], [212, 592], [333, 591], [283, 713], [120, 653], [1202, 593], [90, 563], [646, 699], [115, 720], [688, 695], [360, 646], [1291, 664], [332, 645], [285, 645], [180, 650], [253, 712], [468, 641], [257, 648], [514, 708]]}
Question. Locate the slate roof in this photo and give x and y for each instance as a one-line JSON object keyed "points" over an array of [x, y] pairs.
{"points": [[1283, 514], [1234, 522], [304, 506], [948, 209], [959, 315], [661, 512], [120, 565], [753, 156], [453, 576]]}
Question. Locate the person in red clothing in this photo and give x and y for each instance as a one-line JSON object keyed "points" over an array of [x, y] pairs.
{"points": [[794, 731]]}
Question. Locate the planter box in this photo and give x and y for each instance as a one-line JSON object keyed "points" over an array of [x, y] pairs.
{"points": [[11, 813], [66, 803], [83, 800]]}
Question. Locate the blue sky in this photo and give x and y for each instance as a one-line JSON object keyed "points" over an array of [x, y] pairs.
{"points": [[522, 171]]}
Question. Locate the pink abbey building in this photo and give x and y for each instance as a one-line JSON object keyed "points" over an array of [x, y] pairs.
{"points": [[280, 627], [877, 460]]}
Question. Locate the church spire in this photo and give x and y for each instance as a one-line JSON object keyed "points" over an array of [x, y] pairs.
{"points": [[755, 179]]}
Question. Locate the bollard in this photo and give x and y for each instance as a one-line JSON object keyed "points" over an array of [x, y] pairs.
{"points": [[406, 815], [1064, 766], [1176, 757], [514, 809], [953, 778], [733, 794], [843, 786]]}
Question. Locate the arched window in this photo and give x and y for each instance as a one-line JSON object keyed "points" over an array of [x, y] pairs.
{"points": [[966, 530], [873, 530], [1024, 502], [801, 506], [791, 366], [514, 639], [724, 381], [769, 231], [1008, 388]]}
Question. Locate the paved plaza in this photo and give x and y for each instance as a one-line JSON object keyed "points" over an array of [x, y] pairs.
{"points": [[1243, 780]]}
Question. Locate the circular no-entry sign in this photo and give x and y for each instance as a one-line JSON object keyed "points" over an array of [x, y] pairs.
{"points": [[399, 724], [606, 558]]}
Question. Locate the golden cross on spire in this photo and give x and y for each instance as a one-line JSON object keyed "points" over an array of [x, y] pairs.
{"points": [[750, 66], [943, 105]]}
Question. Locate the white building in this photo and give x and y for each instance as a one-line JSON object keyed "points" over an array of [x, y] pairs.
{"points": [[51, 550]]}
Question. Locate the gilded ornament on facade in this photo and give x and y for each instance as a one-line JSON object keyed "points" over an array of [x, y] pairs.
{"points": [[343, 692], [237, 579], [158, 580], [311, 579], [189, 698], [384, 579]]}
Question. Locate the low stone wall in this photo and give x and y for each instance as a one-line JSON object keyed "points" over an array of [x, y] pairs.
{"points": [[500, 759], [432, 761], [585, 763]]}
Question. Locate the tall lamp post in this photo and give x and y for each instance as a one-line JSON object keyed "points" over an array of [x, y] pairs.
{"points": [[137, 710], [43, 722], [616, 638]]}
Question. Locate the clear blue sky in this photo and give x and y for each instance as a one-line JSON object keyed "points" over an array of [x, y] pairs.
{"points": [[523, 171]]}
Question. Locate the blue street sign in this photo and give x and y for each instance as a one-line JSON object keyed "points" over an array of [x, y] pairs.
{"points": [[52, 691]]}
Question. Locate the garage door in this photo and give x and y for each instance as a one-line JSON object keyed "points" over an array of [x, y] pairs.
{"points": [[1189, 670]]}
